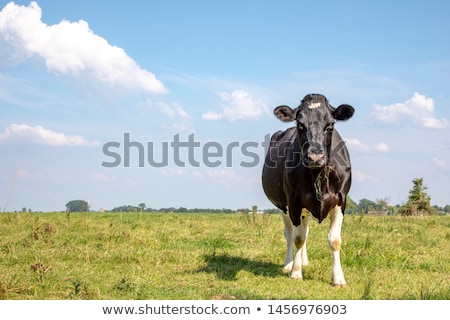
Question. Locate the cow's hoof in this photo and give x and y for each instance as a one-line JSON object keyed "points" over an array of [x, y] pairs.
{"points": [[297, 275], [337, 277], [288, 268], [339, 282]]}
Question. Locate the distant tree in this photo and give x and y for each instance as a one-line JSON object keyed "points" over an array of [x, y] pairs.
{"points": [[447, 208], [418, 200], [383, 205], [125, 208], [438, 209], [351, 206], [77, 206], [366, 205], [272, 211], [142, 206]]}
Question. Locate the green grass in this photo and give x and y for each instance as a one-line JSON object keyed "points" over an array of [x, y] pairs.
{"points": [[216, 256]]}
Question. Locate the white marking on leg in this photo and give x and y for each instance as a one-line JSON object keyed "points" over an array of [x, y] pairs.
{"points": [[288, 234], [334, 241], [306, 218], [300, 256]]}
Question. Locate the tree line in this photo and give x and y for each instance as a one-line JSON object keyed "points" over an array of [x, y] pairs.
{"points": [[419, 203]]}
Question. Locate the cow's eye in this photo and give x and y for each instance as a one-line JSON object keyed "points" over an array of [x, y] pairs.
{"points": [[330, 127], [300, 126]]}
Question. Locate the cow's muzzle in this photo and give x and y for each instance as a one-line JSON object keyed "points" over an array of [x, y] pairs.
{"points": [[316, 156]]}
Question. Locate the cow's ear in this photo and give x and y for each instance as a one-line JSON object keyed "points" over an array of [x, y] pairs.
{"points": [[343, 112], [285, 113]]}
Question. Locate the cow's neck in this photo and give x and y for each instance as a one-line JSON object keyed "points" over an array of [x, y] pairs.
{"points": [[326, 196], [321, 178]]}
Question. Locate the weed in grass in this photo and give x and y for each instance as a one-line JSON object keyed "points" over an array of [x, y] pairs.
{"points": [[40, 270], [427, 293], [253, 218], [9, 287], [367, 294], [124, 285], [3, 289], [44, 232], [77, 289]]}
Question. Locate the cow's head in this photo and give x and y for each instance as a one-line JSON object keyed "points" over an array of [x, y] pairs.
{"points": [[315, 119]]}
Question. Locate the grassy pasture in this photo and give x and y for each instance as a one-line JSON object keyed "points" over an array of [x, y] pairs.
{"points": [[216, 256]]}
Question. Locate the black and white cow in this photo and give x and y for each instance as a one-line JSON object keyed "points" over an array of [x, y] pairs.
{"points": [[306, 173]]}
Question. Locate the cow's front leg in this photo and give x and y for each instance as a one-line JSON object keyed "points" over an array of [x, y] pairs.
{"points": [[334, 241], [300, 257]]}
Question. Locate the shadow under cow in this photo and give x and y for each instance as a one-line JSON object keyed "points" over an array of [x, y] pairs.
{"points": [[226, 267]]}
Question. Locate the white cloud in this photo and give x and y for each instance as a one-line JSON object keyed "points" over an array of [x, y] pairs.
{"points": [[41, 135], [179, 119], [419, 109], [439, 163], [101, 177], [381, 147], [173, 110], [69, 48], [211, 116], [434, 123], [362, 177], [25, 174], [357, 145], [237, 105]]}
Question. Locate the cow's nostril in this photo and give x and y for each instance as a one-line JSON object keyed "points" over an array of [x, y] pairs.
{"points": [[316, 157]]}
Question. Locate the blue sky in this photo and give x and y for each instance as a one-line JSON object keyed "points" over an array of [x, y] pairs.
{"points": [[75, 76]]}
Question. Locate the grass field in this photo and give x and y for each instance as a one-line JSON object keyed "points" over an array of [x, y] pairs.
{"points": [[216, 256]]}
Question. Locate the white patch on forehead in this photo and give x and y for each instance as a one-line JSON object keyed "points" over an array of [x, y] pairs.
{"points": [[315, 105]]}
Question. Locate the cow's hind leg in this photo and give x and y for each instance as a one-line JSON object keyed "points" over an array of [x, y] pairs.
{"points": [[334, 241], [300, 257], [306, 216], [288, 234]]}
